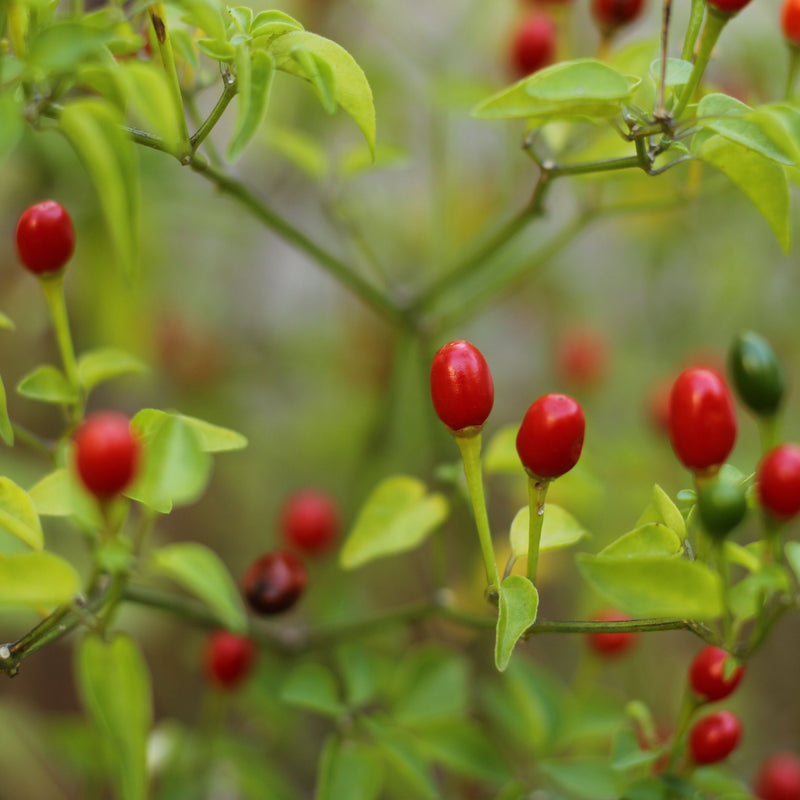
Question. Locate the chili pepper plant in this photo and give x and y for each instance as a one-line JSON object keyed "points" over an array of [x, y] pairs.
{"points": [[398, 400]]}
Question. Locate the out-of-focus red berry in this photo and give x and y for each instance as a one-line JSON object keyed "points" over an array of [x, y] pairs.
{"points": [[228, 658], [611, 645], [309, 521], [533, 45]]}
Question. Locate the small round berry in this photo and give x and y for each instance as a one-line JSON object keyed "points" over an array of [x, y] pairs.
{"points": [[790, 21], [722, 506], [756, 373], [611, 644], [45, 237], [228, 658], [274, 582], [728, 6], [533, 45], [779, 778], [461, 386], [714, 737], [707, 675], [778, 481], [550, 439], [702, 421], [309, 521], [107, 453], [582, 358], [613, 14]]}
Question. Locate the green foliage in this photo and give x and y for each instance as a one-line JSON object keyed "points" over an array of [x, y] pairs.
{"points": [[559, 529], [34, 580], [519, 603]]}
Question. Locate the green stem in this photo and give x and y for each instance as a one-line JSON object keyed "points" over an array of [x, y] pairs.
{"points": [[53, 289], [689, 705], [589, 167], [537, 491], [715, 22], [768, 430], [693, 29], [470, 447], [33, 441], [228, 93], [791, 75], [342, 272], [725, 587], [158, 16]]}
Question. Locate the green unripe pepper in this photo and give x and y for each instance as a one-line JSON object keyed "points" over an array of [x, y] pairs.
{"points": [[756, 373]]}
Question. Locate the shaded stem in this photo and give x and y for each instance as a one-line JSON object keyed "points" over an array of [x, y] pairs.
{"points": [[537, 491], [791, 75], [768, 430], [693, 29], [228, 93]]}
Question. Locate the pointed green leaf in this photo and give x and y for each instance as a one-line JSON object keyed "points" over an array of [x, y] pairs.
{"points": [[748, 597], [218, 49], [519, 603], [18, 515], [662, 509], [655, 586], [272, 23], [242, 17], [559, 529], [199, 570], [204, 14], [348, 769], [316, 70], [650, 539], [678, 71], [313, 686], [114, 684], [352, 90], [6, 428], [762, 180], [211, 438], [59, 494], [397, 516], [151, 101], [48, 385], [37, 579], [95, 130], [106, 363], [254, 73]]}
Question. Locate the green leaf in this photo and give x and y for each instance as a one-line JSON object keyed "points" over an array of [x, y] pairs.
{"points": [[176, 470], [748, 597], [58, 48], [650, 539], [662, 509], [678, 71], [200, 571], [397, 516], [743, 556], [582, 88], [352, 90], [792, 551], [519, 603], [151, 101], [59, 494], [18, 515], [6, 428], [654, 585], [242, 17], [464, 749], [48, 385], [762, 180], [218, 49], [106, 363], [204, 14], [593, 779], [559, 529], [501, 453], [272, 23], [6, 323], [348, 769], [731, 119], [781, 122], [313, 687], [95, 130], [362, 673], [402, 754], [300, 150], [316, 70], [254, 73], [11, 125], [37, 579], [114, 684], [211, 438]]}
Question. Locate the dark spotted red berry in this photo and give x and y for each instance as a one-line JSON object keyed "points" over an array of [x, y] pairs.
{"points": [[274, 582]]}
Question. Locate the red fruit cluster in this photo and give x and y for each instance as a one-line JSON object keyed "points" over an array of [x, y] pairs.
{"points": [[228, 658], [610, 15], [461, 386], [106, 453], [778, 481], [707, 675], [790, 21], [779, 778], [309, 521], [714, 737], [702, 421], [274, 582], [550, 439], [611, 644], [533, 45], [45, 237]]}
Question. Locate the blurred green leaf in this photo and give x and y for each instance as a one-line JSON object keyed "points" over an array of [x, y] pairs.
{"points": [[18, 515], [114, 684], [58, 48], [678, 71], [103, 364], [299, 149], [559, 529], [403, 756], [254, 73], [11, 122], [661, 509], [466, 749], [593, 779], [59, 494], [48, 385], [211, 438], [650, 539], [6, 323], [204, 14], [37, 579], [200, 571], [348, 769], [318, 72], [272, 23], [748, 597], [362, 671], [6, 428], [313, 687], [654, 586], [151, 101], [218, 49], [397, 516], [519, 603], [501, 453]]}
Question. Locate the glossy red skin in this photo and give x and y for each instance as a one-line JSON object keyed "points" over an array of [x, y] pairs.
{"points": [[610, 645], [550, 439], [714, 737], [106, 453], [582, 358], [613, 14], [309, 521], [702, 420], [45, 237], [729, 6], [790, 21], [533, 45], [778, 481], [706, 675], [779, 778], [274, 582], [461, 386], [228, 659]]}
